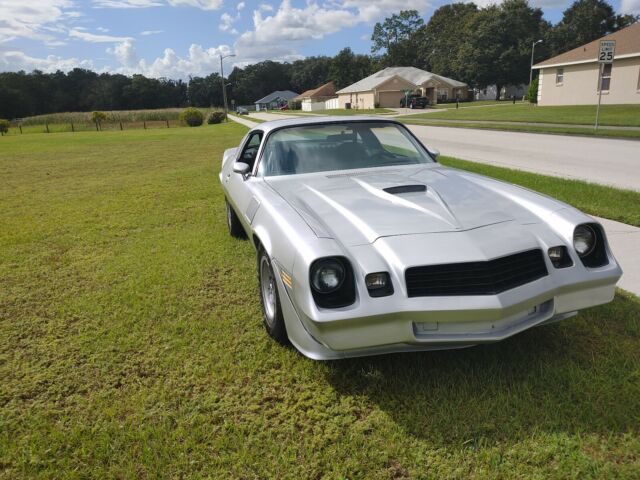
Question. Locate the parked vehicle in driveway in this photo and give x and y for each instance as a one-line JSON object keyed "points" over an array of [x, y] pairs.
{"points": [[242, 111], [367, 245], [414, 101]]}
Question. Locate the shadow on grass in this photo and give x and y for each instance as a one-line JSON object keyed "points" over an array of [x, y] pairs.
{"points": [[577, 376]]}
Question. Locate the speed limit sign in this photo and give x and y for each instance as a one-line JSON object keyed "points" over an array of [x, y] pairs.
{"points": [[607, 51]]}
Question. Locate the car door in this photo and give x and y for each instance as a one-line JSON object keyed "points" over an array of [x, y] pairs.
{"points": [[239, 186]]}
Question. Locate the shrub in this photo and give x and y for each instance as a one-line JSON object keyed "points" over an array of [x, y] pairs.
{"points": [[295, 105], [98, 117], [215, 117], [192, 117], [4, 126], [532, 94]]}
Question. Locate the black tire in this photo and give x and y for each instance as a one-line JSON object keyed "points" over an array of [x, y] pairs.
{"points": [[233, 222], [272, 317]]}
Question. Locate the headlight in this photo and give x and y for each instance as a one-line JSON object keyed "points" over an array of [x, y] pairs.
{"points": [[327, 276], [584, 240]]}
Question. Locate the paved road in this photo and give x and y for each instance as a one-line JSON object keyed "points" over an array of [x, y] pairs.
{"points": [[599, 160]]}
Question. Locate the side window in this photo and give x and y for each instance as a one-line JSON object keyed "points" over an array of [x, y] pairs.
{"points": [[606, 77], [559, 76], [250, 151]]}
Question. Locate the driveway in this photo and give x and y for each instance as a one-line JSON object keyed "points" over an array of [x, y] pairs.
{"points": [[598, 160]]}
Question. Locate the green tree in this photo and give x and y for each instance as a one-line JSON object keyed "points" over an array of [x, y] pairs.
{"points": [[396, 38], [347, 68], [98, 118], [532, 92], [585, 21], [440, 41], [4, 126], [497, 45]]}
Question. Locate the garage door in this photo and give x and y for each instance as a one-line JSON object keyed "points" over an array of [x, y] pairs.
{"points": [[390, 99]]}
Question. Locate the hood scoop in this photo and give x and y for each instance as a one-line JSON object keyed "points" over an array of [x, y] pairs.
{"points": [[406, 189]]}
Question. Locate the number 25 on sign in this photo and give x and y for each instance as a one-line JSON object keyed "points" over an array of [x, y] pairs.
{"points": [[607, 50]]}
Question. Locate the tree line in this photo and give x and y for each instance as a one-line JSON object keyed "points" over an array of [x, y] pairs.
{"points": [[479, 46]]}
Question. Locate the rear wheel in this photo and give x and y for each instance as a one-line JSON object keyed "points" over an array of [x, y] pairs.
{"points": [[233, 222], [270, 300]]}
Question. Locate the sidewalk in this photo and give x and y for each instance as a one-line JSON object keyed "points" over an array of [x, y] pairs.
{"points": [[624, 241]]}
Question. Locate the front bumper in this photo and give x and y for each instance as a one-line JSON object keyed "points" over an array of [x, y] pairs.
{"points": [[437, 323]]}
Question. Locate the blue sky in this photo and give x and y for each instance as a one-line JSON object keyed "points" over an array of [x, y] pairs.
{"points": [[178, 38]]}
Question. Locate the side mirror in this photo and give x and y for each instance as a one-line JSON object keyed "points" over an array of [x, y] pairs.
{"points": [[241, 168], [435, 153]]}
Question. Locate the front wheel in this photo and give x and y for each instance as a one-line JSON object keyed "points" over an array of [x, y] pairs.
{"points": [[270, 300]]}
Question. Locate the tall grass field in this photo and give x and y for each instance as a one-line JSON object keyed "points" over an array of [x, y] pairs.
{"points": [[131, 346], [115, 120]]}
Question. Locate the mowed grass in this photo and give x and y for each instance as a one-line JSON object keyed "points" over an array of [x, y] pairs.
{"points": [[608, 202], [616, 115], [131, 346]]}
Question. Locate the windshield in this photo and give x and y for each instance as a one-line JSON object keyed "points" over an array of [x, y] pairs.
{"points": [[339, 146]]}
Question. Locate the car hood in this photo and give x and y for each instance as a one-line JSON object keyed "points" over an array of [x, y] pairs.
{"points": [[361, 206]]}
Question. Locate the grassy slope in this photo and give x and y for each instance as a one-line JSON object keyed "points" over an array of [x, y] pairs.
{"points": [[607, 202], [617, 115], [131, 346]]}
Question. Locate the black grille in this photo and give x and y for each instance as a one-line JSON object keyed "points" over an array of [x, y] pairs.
{"points": [[476, 278]]}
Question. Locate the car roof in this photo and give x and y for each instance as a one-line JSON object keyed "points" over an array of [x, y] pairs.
{"points": [[317, 119]]}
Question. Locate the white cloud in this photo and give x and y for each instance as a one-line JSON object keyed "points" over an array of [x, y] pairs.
{"points": [[15, 61], [93, 38], [630, 6], [240, 6], [126, 3], [265, 7], [201, 4], [102, 29], [226, 23], [126, 54], [33, 19], [146, 33], [373, 10]]}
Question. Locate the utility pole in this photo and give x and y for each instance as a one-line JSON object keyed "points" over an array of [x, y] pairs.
{"points": [[533, 49], [224, 87]]}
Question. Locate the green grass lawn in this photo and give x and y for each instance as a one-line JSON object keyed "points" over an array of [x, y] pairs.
{"points": [[131, 346], [475, 103], [616, 115], [594, 199]]}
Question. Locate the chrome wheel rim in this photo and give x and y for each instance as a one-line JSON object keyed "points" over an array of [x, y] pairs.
{"points": [[268, 290]]}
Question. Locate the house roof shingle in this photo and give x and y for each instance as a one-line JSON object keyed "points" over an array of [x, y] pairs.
{"points": [[627, 43], [326, 90], [410, 74], [278, 94]]}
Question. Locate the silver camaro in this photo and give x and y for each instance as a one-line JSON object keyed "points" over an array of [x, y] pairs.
{"points": [[367, 245]]}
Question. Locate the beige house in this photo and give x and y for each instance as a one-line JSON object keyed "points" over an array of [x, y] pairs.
{"points": [[571, 78], [387, 87]]}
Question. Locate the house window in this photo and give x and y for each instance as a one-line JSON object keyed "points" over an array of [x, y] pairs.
{"points": [[606, 77], [559, 76], [638, 79], [443, 94]]}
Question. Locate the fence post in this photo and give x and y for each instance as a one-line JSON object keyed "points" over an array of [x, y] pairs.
{"points": [[144, 124], [97, 127], [120, 126], [47, 125], [167, 123], [20, 127], [72, 129]]}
